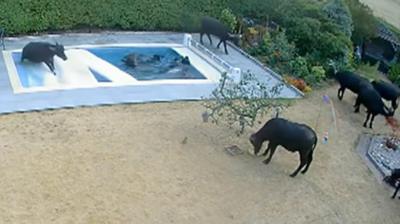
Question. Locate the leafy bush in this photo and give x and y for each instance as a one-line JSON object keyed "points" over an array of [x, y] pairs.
{"points": [[394, 73], [317, 75], [241, 103], [275, 51], [229, 19], [340, 14], [319, 30], [364, 22], [299, 67], [30, 16]]}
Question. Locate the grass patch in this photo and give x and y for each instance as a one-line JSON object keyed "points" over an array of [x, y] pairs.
{"points": [[386, 9], [368, 71]]}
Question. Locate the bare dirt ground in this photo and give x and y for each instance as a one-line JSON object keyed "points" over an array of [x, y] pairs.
{"points": [[386, 9], [129, 164]]}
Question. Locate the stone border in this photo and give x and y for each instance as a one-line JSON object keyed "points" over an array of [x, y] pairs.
{"points": [[364, 141]]}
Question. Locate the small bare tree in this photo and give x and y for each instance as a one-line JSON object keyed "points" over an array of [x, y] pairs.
{"points": [[240, 103]]}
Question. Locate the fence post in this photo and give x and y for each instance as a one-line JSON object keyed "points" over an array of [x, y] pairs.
{"points": [[187, 40]]}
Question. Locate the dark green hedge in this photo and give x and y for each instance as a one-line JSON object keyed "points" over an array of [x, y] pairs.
{"points": [[30, 16]]}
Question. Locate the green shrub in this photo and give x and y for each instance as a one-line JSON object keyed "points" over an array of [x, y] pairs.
{"points": [[316, 75], [299, 67], [229, 19], [364, 22], [339, 13], [394, 73], [30, 16], [275, 51]]}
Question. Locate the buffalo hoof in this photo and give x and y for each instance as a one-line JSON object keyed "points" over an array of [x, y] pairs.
{"points": [[293, 175], [266, 161], [364, 125]]}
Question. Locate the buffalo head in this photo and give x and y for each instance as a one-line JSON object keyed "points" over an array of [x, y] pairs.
{"points": [[256, 143], [58, 50], [235, 38]]}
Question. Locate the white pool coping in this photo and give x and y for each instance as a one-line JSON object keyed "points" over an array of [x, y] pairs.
{"points": [[212, 72]]}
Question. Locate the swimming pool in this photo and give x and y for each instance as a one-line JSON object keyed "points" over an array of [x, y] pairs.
{"points": [[150, 63], [90, 66]]}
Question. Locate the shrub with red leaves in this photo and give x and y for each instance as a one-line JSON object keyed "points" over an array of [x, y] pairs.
{"points": [[297, 82], [393, 123]]}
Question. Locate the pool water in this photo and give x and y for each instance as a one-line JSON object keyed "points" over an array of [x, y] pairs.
{"points": [[87, 66], [153, 63], [27, 79]]}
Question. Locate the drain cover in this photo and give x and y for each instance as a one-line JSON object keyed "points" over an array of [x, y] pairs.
{"points": [[233, 150]]}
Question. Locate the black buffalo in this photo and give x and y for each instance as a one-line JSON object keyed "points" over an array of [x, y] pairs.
{"points": [[43, 52], [371, 99], [211, 26], [349, 80], [392, 179], [292, 136], [388, 91], [133, 60]]}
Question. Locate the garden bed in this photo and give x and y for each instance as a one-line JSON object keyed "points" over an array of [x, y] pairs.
{"points": [[384, 158]]}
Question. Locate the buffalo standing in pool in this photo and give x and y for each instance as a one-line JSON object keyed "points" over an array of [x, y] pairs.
{"points": [[133, 60], [292, 136], [43, 52]]}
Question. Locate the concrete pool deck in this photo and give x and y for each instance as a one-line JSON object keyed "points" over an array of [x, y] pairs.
{"points": [[12, 102]]}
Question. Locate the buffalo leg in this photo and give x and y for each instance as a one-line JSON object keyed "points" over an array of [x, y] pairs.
{"points": [[209, 38], [340, 93], [394, 104], [397, 189], [372, 120], [220, 42], [310, 158], [51, 66], [303, 162], [226, 51], [272, 148], [201, 38], [357, 105], [267, 150], [366, 120]]}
